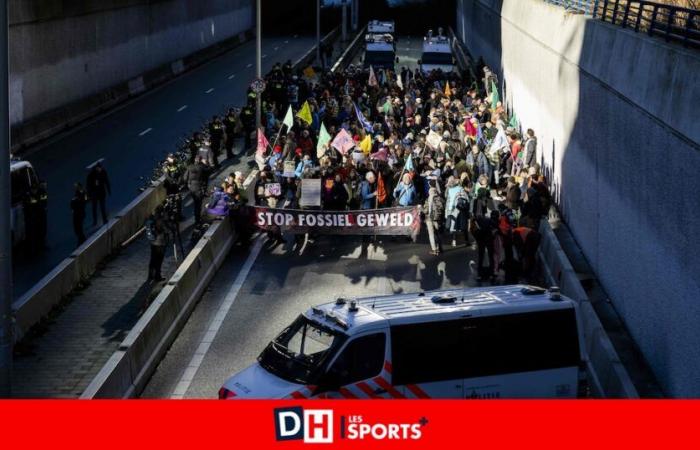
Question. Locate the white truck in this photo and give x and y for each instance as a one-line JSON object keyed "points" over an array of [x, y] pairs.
{"points": [[496, 342], [437, 54], [380, 45]]}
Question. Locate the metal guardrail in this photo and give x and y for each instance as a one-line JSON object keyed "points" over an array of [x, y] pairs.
{"points": [[349, 53], [672, 23]]}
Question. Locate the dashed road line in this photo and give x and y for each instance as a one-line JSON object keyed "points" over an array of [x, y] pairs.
{"points": [[182, 108], [209, 91], [249, 66], [276, 48], [145, 132], [286, 42], [263, 56], [215, 325], [232, 76]]}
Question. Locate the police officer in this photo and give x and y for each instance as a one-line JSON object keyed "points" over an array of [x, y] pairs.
{"points": [[77, 206], [159, 236], [98, 188], [230, 125], [216, 135], [196, 178], [173, 181], [195, 144], [287, 68], [248, 122]]}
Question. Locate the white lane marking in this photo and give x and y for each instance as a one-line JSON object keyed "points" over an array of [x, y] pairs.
{"points": [[263, 57], [215, 325], [145, 132], [182, 108], [249, 66], [286, 42], [276, 48], [209, 91], [232, 76], [295, 36]]}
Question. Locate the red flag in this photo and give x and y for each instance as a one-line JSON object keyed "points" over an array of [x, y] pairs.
{"points": [[381, 189], [263, 143]]}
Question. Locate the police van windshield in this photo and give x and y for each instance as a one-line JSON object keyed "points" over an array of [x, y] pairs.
{"points": [[437, 58], [300, 351]]}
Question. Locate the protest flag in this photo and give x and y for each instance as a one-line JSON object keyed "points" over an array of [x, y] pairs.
{"points": [[363, 121], [366, 144], [289, 118], [305, 113], [408, 167], [323, 139], [343, 141], [514, 122], [494, 95], [262, 143], [310, 73], [372, 77], [381, 189], [448, 90]]}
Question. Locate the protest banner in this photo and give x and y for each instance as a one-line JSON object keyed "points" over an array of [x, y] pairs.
{"points": [[388, 221], [288, 170], [273, 189], [310, 192]]}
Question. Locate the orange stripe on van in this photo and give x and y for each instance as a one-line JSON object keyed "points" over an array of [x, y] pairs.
{"points": [[382, 383], [364, 387], [418, 392]]}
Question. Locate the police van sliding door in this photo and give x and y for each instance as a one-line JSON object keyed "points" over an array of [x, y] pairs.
{"points": [[428, 359], [525, 355]]}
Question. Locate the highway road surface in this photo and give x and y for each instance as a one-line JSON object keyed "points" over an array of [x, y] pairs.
{"points": [[134, 137]]}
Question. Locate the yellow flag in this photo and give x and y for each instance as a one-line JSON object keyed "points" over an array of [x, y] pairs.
{"points": [[305, 113], [309, 72], [448, 90], [366, 144]]}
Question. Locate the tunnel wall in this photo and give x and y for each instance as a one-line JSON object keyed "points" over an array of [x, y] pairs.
{"points": [[63, 51], [615, 114]]}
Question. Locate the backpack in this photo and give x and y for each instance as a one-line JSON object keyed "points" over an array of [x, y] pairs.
{"points": [[438, 209], [462, 203], [151, 230]]}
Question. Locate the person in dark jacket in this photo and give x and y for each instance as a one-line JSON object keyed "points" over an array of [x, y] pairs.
{"points": [[98, 188], [77, 206], [159, 237], [530, 156], [196, 179]]}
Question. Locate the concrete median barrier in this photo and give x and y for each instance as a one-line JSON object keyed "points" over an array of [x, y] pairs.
{"points": [[129, 369], [608, 377], [82, 263]]}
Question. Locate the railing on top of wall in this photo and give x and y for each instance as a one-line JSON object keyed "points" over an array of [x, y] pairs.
{"points": [[672, 23]]}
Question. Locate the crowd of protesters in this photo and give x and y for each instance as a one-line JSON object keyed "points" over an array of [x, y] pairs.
{"points": [[443, 141]]}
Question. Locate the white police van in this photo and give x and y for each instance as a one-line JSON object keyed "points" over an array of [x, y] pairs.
{"points": [[437, 54], [22, 178], [496, 342], [380, 45]]}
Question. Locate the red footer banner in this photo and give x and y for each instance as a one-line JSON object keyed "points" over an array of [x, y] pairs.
{"points": [[349, 424]]}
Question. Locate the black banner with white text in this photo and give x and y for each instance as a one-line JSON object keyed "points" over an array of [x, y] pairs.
{"points": [[389, 221]]}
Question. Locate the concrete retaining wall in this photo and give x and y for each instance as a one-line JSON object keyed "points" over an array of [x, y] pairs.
{"points": [[71, 59], [619, 142], [36, 303], [606, 374], [129, 369]]}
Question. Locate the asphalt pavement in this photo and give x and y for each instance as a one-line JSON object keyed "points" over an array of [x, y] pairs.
{"points": [[270, 286], [133, 138]]}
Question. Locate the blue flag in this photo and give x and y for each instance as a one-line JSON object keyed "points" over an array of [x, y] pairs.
{"points": [[409, 163], [363, 121]]}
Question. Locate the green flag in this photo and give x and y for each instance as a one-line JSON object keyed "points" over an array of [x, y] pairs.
{"points": [[386, 107], [289, 118], [514, 122], [494, 95], [323, 139]]}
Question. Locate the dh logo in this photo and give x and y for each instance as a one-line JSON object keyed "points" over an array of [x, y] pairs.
{"points": [[314, 426]]}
